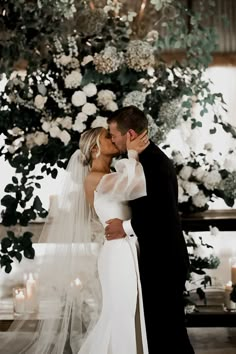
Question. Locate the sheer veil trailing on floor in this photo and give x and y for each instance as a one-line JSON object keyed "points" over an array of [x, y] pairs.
{"points": [[69, 293]]}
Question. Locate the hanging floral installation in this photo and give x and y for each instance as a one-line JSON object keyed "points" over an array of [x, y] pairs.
{"points": [[69, 64]]}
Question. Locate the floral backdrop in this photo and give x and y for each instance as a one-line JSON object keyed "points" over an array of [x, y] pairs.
{"points": [[69, 64]]}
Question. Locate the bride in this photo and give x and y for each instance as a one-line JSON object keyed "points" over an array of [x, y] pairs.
{"points": [[90, 299]]}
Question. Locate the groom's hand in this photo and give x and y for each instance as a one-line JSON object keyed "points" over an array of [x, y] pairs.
{"points": [[114, 229]]}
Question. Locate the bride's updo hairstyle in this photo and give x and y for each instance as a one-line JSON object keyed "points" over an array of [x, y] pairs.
{"points": [[88, 140]]}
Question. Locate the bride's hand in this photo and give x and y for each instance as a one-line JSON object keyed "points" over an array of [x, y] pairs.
{"points": [[139, 143]]}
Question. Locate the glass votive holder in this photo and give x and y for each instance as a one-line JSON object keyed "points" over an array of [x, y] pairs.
{"points": [[229, 305], [19, 300]]}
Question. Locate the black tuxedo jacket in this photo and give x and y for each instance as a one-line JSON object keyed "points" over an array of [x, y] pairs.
{"points": [[156, 222]]}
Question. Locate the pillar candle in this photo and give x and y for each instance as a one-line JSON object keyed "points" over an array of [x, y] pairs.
{"points": [[233, 273], [31, 291], [19, 301], [229, 304]]}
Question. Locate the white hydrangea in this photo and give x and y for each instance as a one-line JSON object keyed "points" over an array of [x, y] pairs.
{"points": [[64, 60], [105, 97], [46, 126], [190, 188], [90, 90], [200, 200], [186, 172], [108, 60], [212, 179], [100, 122], [16, 144], [89, 109], [199, 173], [135, 98], [111, 106], [40, 138], [177, 158], [54, 131], [73, 80], [39, 101], [15, 131], [79, 122], [66, 122], [78, 98], [182, 197]]}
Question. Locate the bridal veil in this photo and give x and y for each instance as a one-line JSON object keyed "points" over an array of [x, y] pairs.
{"points": [[69, 294]]}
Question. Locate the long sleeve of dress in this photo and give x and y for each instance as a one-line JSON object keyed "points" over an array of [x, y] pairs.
{"points": [[128, 182]]}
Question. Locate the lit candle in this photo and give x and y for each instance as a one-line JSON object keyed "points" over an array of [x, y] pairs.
{"points": [[19, 300], [229, 304], [77, 283], [31, 291]]}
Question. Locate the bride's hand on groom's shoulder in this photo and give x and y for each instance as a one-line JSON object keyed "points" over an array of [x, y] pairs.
{"points": [[139, 143]]}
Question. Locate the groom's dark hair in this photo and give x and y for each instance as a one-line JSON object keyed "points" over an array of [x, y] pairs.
{"points": [[129, 117]]}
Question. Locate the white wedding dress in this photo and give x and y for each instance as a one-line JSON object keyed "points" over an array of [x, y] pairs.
{"points": [[121, 325]]}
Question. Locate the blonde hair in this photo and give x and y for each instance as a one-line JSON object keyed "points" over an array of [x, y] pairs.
{"points": [[88, 140]]}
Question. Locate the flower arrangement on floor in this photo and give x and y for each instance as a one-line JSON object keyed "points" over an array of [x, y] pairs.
{"points": [[199, 264], [73, 63]]}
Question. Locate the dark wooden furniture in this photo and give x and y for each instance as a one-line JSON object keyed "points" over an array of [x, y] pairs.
{"points": [[224, 220], [211, 316]]}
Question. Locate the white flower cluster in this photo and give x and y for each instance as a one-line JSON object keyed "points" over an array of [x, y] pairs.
{"points": [[139, 55], [135, 98], [57, 129], [198, 179], [108, 60]]}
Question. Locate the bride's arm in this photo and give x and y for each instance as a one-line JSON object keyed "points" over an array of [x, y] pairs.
{"points": [[128, 181]]}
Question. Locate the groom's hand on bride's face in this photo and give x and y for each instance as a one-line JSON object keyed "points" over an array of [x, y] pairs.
{"points": [[138, 143], [114, 229]]}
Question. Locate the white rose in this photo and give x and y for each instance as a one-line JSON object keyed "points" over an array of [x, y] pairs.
{"points": [[39, 101], [78, 98], [212, 179], [90, 90], [15, 131], [46, 126], [66, 122], [87, 60], [89, 109], [64, 137], [40, 138], [190, 188], [54, 132], [178, 158], [199, 173], [186, 172], [64, 60], [200, 200]]}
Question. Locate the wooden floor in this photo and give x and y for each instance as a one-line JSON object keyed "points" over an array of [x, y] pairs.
{"points": [[213, 340]]}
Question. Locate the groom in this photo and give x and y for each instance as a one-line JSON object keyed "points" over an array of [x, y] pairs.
{"points": [[163, 260]]}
